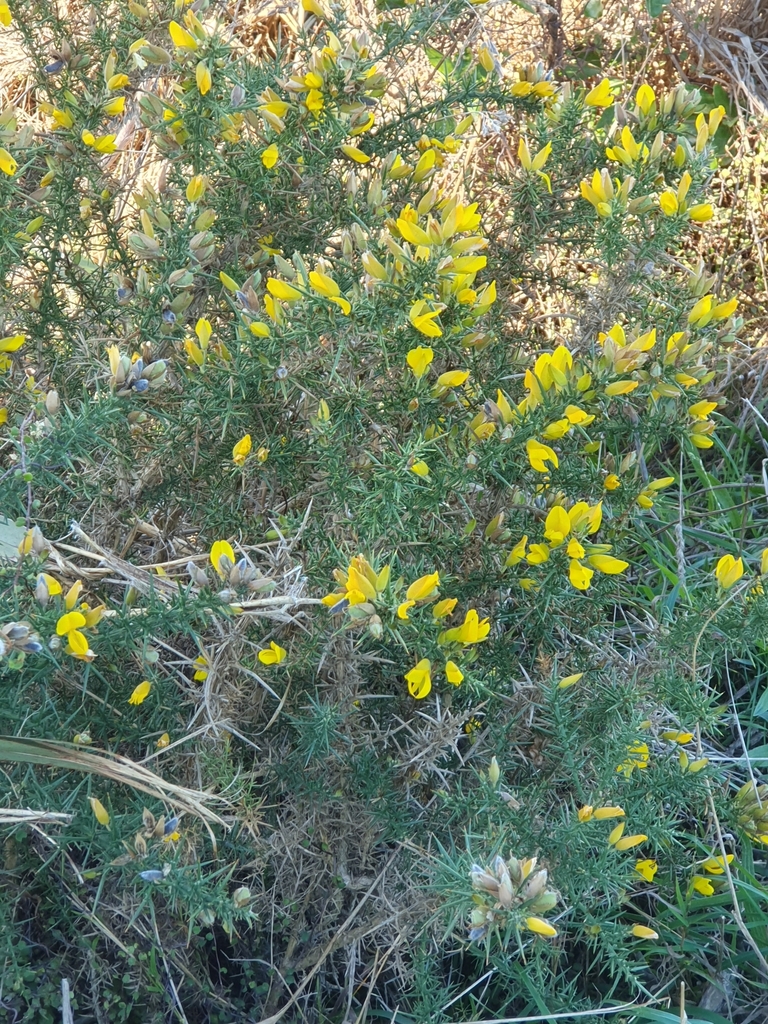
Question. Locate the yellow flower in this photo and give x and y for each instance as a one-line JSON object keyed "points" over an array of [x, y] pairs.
{"points": [[196, 188], [163, 741], [12, 343], [203, 78], [422, 318], [314, 100], [580, 575], [7, 163], [424, 587], [222, 549], [668, 203], [557, 526], [77, 644], [540, 927], [703, 885], [200, 665], [627, 842], [716, 865], [419, 359], [181, 37], [556, 430], [355, 154], [282, 290], [140, 693], [568, 681], [419, 679], [647, 868], [403, 608], [5, 14], [575, 549], [638, 758], [270, 156], [73, 595], [53, 586], [100, 812], [118, 82], [585, 812], [452, 378], [517, 554], [603, 813], [764, 562], [539, 454], [472, 631], [641, 932], [728, 571], [420, 468], [701, 212], [701, 410], [644, 98], [620, 387], [241, 450], [600, 96], [68, 622], [537, 554], [444, 608], [112, 108], [608, 564], [273, 655], [453, 673]]}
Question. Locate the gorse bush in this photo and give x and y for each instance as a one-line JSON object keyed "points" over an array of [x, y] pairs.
{"points": [[360, 406]]}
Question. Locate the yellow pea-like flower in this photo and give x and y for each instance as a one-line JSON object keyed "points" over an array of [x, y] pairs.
{"points": [[283, 290], [600, 96], [241, 450], [647, 868], [540, 927], [728, 571], [273, 655], [140, 692], [419, 679], [270, 156], [8, 164], [181, 38], [68, 622], [203, 78], [418, 359], [453, 673], [100, 812]]}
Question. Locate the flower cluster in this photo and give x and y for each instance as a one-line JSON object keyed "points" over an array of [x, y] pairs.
{"points": [[76, 617], [511, 891], [372, 598], [570, 529]]}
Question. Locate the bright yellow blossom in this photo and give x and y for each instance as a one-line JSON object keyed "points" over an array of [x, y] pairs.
{"points": [[600, 96], [424, 587], [68, 622], [100, 812], [728, 571], [270, 156], [222, 549], [272, 655], [419, 679], [647, 868], [540, 927], [453, 673], [241, 450], [539, 454], [140, 693]]}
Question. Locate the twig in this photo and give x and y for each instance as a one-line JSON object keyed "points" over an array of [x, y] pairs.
{"points": [[332, 945]]}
